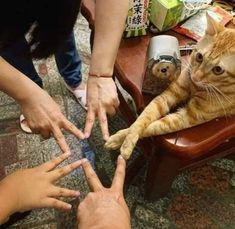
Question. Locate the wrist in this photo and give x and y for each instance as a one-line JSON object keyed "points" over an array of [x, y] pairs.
{"points": [[7, 203], [102, 67], [98, 75], [30, 89], [103, 220]]}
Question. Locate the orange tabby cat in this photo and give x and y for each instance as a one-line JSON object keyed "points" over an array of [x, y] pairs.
{"points": [[206, 85]]}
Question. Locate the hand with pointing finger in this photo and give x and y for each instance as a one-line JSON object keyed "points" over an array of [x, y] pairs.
{"points": [[107, 206]]}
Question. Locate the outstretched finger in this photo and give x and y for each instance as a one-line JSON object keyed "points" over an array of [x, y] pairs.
{"points": [[60, 139], [61, 172], [67, 125], [48, 166], [54, 203], [119, 177], [92, 178], [103, 122], [90, 119], [63, 192]]}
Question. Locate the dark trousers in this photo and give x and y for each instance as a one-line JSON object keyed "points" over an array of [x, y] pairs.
{"points": [[67, 60]]}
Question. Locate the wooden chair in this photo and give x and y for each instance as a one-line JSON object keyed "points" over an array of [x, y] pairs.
{"points": [[171, 153]]}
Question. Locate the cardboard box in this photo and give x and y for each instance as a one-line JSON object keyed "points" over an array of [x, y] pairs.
{"points": [[165, 14]]}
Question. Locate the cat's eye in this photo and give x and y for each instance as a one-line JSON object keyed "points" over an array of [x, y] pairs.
{"points": [[199, 57], [217, 70]]}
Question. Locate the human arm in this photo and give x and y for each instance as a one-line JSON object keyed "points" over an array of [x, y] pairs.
{"points": [[34, 188], [42, 113], [102, 96], [106, 205]]}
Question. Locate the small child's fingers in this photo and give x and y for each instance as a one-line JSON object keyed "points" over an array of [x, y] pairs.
{"points": [[54, 203], [63, 192], [48, 166], [61, 172]]}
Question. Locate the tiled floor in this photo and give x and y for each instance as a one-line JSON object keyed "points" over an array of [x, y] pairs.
{"points": [[202, 198]]}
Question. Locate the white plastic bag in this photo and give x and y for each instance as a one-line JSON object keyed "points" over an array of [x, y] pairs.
{"points": [[195, 4]]}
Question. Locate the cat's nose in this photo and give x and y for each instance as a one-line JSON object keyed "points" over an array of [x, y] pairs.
{"points": [[163, 70]]}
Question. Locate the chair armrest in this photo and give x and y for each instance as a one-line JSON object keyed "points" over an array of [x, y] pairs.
{"points": [[198, 140]]}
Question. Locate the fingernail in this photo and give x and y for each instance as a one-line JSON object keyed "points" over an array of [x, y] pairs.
{"points": [[120, 157], [77, 193], [82, 136], [68, 206], [84, 160], [77, 163], [106, 137], [86, 135]]}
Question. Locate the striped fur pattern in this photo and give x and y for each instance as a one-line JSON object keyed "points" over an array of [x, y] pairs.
{"points": [[206, 87]]}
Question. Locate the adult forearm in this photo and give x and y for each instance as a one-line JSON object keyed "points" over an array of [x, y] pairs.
{"points": [[110, 16], [14, 83]]}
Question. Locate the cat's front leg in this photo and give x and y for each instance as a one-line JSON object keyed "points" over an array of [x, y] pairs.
{"points": [[182, 119], [129, 144], [115, 141], [126, 139]]}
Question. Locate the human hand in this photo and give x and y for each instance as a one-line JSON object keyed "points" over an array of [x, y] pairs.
{"points": [[102, 99], [34, 188], [107, 206], [44, 117]]}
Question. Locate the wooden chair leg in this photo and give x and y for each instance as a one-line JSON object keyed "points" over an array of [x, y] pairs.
{"points": [[134, 168], [161, 171]]}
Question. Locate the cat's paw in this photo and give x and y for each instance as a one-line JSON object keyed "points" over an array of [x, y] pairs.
{"points": [[115, 141], [128, 145]]}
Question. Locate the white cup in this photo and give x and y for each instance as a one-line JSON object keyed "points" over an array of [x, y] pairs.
{"points": [[163, 45]]}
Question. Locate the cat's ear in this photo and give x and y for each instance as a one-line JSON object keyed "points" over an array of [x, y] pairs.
{"points": [[213, 27]]}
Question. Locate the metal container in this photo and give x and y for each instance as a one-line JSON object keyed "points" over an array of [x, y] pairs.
{"points": [[163, 64]]}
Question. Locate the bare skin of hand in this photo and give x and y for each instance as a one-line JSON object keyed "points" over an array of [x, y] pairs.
{"points": [[106, 205], [44, 117], [35, 188], [102, 100]]}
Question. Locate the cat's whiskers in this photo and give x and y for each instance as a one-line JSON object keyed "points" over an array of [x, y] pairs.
{"points": [[209, 95], [209, 92], [222, 94], [217, 97]]}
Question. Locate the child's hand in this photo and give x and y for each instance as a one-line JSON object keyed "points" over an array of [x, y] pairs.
{"points": [[34, 188]]}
